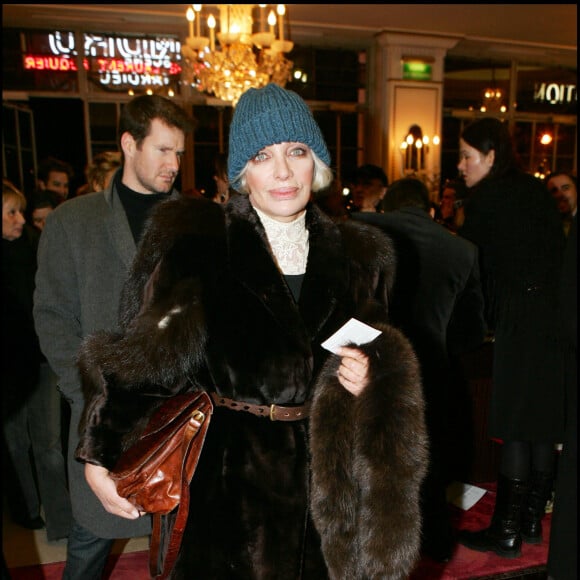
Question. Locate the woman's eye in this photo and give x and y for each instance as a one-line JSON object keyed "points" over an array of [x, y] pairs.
{"points": [[298, 152], [260, 156]]}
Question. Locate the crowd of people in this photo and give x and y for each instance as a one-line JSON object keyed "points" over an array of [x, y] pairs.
{"points": [[248, 284]]}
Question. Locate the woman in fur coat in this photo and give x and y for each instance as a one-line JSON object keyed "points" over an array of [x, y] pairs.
{"points": [[316, 475]]}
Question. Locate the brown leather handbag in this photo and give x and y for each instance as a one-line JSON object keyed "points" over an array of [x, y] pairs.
{"points": [[155, 472]]}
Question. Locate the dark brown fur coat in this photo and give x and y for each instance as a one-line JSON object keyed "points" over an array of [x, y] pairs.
{"points": [[336, 496]]}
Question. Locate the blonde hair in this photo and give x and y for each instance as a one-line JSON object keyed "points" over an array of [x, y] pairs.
{"points": [[102, 165], [9, 190], [321, 178]]}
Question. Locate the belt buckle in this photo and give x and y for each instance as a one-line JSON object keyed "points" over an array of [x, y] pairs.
{"points": [[272, 411]]}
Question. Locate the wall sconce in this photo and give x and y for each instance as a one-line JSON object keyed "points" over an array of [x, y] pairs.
{"points": [[415, 150]]}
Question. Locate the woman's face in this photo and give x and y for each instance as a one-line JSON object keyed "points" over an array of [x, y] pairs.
{"points": [[279, 180], [12, 218], [473, 164]]}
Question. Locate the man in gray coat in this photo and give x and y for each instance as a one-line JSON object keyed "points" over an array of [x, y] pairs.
{"points": [[85, 251]]}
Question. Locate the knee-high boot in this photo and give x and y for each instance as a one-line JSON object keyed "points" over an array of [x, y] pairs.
{"points": [[534, 506], [504, 533]]}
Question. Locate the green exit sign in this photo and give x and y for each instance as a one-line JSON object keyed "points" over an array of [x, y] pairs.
{"points": [[416, 71]]}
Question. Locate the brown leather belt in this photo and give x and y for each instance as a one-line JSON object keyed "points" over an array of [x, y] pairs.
{"points": [[273, 412]]}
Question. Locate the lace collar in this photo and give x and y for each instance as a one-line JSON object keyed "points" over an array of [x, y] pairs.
{"points": [[289, 242]]}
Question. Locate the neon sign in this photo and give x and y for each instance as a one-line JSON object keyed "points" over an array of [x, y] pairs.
{"points": [[555, 94], [115, 60], [52, 63]]}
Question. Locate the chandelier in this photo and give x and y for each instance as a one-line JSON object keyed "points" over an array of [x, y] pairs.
{"points": [[492, 98], [244, 58]]}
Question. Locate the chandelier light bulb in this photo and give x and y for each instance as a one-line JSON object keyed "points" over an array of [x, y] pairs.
{"points": [[190, 15]]}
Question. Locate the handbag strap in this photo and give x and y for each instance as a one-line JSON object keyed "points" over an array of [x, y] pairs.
{"points": [[174, 542], [194, 438]]}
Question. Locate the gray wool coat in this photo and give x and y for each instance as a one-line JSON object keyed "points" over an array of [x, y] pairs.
{"points": [[85, 251]]}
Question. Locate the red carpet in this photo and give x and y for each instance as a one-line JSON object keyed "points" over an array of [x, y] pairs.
{"points": [[468, 564], [465, 565]]}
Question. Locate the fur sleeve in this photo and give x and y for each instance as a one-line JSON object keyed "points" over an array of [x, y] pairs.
{"points": [[162, 342], [369, 457]]}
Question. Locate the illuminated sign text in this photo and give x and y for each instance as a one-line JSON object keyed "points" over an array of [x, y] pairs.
{"points": [[116, 60]]}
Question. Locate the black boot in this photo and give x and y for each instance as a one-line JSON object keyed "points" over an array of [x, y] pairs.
{"points": [[503, 535], [534, 506]]}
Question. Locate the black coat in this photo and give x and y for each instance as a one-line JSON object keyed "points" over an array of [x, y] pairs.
{"points": [[21, 356], [563, 553], [514, 222], [437, 301], [223, 319]]}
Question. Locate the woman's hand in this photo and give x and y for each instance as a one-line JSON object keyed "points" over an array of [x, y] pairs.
{"points": [[105, 489], [353, 370]]}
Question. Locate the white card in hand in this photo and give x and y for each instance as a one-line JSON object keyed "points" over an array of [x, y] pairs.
{"points": [[354, 331]]}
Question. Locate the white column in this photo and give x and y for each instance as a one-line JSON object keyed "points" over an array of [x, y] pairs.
{"points": [[396, 103]]}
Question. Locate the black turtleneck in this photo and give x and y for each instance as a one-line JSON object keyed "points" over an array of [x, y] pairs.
{"points": [[137, 205]]}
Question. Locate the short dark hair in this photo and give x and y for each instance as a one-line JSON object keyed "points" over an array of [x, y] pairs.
{"points": [[46, 166], [137, 115], [43, 198], [369, 172], [571, 177], [408, 192], [490, 133], [220, 165]]}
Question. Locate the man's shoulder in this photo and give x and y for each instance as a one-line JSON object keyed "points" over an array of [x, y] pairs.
{"points": [[86, 203]]}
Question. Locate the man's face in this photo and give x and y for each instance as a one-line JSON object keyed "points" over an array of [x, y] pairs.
{"points": [[447, 201], [39, 216], [367, 193], [58, 182], [153, 165], [564, 192]]}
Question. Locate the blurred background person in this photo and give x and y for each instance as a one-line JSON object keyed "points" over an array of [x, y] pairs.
{"points": [[223, 191], [437, 301], [332, 201], [34, 465], [513, 220], [562, 186], [55, 175], [100, 172], [450, 212], [563, 551], [41, 204], [369, 188]]}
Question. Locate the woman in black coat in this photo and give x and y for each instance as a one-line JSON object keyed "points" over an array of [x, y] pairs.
{"points": [[512, 218], [245, 295]]}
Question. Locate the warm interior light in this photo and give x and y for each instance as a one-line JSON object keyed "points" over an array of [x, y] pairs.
{"points": [[546, 139], [228, 65]]}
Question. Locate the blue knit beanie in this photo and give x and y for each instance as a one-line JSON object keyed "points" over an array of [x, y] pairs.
{"points": [[268, 116]]}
